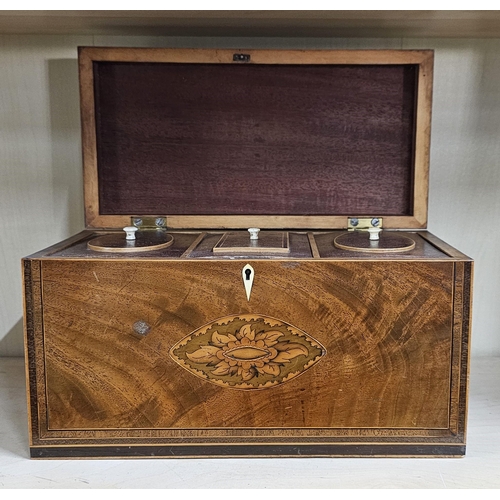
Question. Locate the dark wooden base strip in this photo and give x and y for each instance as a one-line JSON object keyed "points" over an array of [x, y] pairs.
{"points": [[371, 450]]}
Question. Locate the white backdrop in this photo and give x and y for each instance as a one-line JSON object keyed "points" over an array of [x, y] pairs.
{"points": [[41, 199]]}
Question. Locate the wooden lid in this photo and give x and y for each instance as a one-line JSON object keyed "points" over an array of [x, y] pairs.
{"points": [[264, 138]]}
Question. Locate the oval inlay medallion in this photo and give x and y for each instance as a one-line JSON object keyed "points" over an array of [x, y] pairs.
{"points": [[247, 352]]}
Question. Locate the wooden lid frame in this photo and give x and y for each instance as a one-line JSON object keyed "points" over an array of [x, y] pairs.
{"points": [[419, 201]]}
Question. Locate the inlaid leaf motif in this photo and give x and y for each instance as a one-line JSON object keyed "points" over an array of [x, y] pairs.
{"points": [[269, 337], [206, 354], [287, 346], [247, 352], [222, 370], [220, 340], [286, 356], [246, 332], [272, 369]]}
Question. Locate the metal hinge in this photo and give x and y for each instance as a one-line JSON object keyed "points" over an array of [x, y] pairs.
{"points": [[363, 223], [149, 222]]}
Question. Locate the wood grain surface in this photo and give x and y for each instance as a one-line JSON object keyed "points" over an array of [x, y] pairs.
{"points": [[387, 328]]}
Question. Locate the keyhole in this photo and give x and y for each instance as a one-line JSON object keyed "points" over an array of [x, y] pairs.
{"points": [[248, 275]]}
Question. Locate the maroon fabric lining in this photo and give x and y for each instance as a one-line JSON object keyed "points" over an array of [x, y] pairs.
{"points": [[223, 139]]}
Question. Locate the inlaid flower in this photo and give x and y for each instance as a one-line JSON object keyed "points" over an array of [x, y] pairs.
{"points": [[247, 354]]}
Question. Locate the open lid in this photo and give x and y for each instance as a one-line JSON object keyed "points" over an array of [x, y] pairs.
{"points": [[265, 138]]}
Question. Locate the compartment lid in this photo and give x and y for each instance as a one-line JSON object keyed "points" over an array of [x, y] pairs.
{"points": [[255, 138]]}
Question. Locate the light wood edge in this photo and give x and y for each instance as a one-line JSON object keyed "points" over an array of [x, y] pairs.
{"points": [[259, 56], [424, 58], [193, 245], [261, 221], [221, 240], [314, 246], [422, 140], [89, 142]]}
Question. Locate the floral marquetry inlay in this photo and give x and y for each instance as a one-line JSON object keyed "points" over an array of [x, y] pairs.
{"points": [[247, 352]]}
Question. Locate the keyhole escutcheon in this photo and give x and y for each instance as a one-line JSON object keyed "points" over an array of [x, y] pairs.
{"points": [[248, 275]]}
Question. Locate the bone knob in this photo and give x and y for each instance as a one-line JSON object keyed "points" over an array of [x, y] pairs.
{"points": [[254, 233], [130, 230], [374, 232]]}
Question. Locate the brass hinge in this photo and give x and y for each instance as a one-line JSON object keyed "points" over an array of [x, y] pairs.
{"points": [[149, 222], [363, 223]]}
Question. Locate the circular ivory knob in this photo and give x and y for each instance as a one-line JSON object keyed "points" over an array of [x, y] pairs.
{"points": [[130, 230], [254, 233], [374, 232]]}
